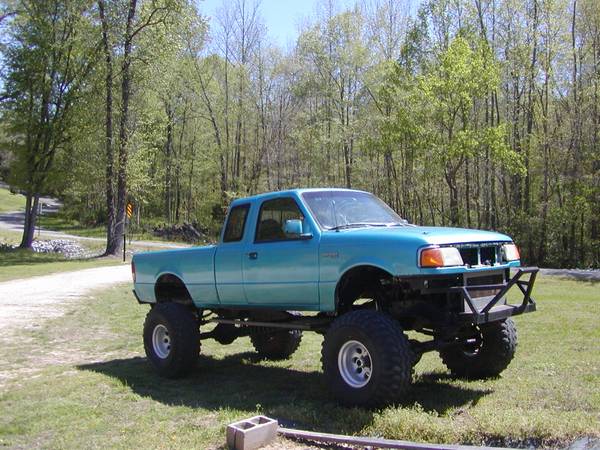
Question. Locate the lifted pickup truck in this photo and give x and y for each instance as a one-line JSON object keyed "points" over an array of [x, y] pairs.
{"points": [[367, 275]]}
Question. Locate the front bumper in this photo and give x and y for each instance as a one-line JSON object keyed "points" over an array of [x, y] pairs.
{"points": [[496, 308]]}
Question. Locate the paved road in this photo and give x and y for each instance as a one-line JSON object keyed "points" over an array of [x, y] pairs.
{"points": [[26, 303], [15, 220], [578, 274]]}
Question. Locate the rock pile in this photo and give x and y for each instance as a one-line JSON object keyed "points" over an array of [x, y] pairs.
{"points": [[186, 232], [4, 247], [69, 249]]}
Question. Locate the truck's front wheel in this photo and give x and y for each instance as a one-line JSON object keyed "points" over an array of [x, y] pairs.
{"points": [[485, 354], [367, 359], [172, 339]]}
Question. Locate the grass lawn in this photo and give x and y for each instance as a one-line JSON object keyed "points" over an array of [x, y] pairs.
{"points": [[10, 236], [11, 202], [95, 388], [16, 264], [56, 222]]}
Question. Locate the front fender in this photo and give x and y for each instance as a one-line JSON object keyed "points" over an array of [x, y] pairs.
{"points": [[332, 273], [368, 260]]}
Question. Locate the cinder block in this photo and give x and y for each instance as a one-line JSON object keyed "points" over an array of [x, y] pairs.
{"points": [[251, 433]]}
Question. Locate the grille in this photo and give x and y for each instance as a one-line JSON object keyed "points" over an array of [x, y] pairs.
{"points": [[486, 254], [470, 256]]}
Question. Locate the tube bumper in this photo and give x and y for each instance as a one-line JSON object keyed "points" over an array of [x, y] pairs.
{"points": [[496, 308]]}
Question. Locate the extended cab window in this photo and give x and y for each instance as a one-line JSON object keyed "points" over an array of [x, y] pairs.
{"points": [[234, 230], [272, 217]]}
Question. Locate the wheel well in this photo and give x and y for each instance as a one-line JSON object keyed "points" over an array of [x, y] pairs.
{"points": [[356, 282], [170, 288]]}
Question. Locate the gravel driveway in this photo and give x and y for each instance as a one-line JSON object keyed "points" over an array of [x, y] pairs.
{"points": [[27, 302]]}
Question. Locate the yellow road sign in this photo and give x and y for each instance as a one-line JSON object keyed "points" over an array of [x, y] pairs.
{"points": [[129, 210]]}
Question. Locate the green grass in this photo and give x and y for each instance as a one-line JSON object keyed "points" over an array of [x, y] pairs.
{"points": [[11, 202], [23, 263], [56, 222], [10, 236], [95, 389], [15, 264]]}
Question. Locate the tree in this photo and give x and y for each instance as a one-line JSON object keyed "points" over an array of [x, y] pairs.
{"points": [[48, 58], [133, 23], [451, 91], [481, 113], [336, 58], [108, 50]]}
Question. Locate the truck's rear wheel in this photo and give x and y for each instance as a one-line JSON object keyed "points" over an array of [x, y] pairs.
{"points": [[277, 344], [367, 359], [485, 354], [172, 339]]}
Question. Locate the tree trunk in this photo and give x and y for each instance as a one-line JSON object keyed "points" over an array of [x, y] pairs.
{"points": [[223, 180], [123, 130], [31, 209], [347, 165], [450, 175], [467, 194], [109, 174], [168, 157]]}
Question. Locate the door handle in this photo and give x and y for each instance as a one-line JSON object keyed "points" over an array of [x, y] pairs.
{"points": [[253, 255]]}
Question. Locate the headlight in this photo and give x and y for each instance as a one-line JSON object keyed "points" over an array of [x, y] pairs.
{"points": [[510, 252], [440, 257]]}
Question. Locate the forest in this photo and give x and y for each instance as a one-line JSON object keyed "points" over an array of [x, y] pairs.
{"points": [[470, 113]]}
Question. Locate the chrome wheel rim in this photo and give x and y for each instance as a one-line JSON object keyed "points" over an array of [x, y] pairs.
{"points": [[355, 364], [161, 341], [472, 345]]}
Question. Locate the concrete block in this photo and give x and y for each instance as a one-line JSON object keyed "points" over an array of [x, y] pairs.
{"points": [[251, 433]]}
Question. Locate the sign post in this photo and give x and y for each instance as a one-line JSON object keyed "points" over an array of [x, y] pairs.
{"points": [[40, 212], [129, 212]]}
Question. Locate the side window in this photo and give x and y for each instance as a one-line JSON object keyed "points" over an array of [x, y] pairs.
{"points": [[234, 230], [272, 218]]}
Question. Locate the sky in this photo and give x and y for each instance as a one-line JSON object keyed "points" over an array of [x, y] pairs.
{"points": [[281, 17]]}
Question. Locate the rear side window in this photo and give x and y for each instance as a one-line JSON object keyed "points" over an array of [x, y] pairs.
{"points": [[234, 230]]}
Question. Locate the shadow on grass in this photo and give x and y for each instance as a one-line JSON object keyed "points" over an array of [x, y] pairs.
{"points": [[434, 392], [297, 398]]}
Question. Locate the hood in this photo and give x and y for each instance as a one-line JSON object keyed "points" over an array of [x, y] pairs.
{"points": [[428, 235], [447, 235]]}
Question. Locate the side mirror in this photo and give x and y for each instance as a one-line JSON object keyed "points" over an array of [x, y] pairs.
{"points": [[294, 228]]}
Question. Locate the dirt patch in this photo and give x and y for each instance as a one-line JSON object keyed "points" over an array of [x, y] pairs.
{"points": [[26, 303]]}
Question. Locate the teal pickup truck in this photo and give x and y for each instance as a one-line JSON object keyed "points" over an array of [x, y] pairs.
{"points": [[341, 263]]}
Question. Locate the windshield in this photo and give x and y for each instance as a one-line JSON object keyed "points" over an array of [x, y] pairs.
{"points": [[345, 209]]}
